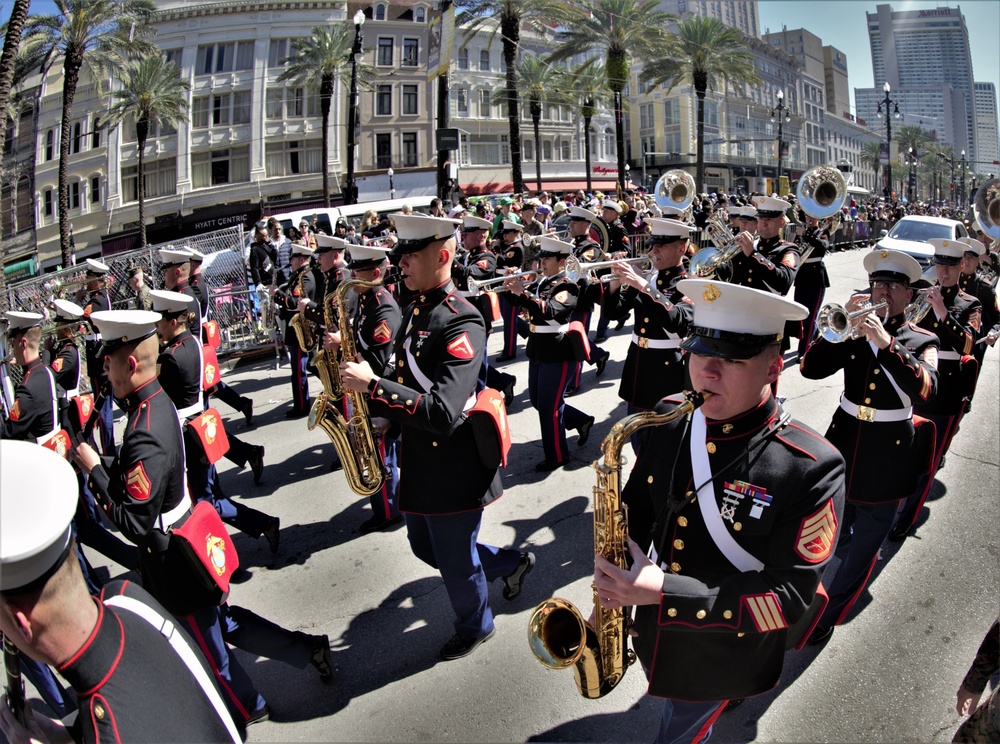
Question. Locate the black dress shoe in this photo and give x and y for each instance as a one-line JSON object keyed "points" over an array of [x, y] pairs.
{"points": [[585, 432], [602, 363], [293, 414], [505, 358], [459, 645], [546, 466], [571, 391], [514, 581], [273, 534], [261, 714], [321, 658], [247, 411], [820, 635], [601, 337], [508, 392], [899, 532], [621, 324], [336, 465], [735, 703], [257, 464], [375, 524]]}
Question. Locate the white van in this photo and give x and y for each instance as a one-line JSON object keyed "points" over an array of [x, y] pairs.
{"points": [[327, 218]]}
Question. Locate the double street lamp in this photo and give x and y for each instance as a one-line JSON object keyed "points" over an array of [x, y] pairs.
{"points": [[913, 176], [351, 189], [780, 114], [961, 194], [888, 135]]}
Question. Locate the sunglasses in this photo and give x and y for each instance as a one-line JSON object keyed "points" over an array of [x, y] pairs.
{"points": [[891, 286]]}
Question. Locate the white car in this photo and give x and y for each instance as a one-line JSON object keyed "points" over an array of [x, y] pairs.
{"points": [[910, 236]]}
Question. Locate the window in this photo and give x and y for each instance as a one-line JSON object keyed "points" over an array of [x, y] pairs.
{"points": [[411, 52], [671, 112], [160, 179], [220, 110], [462, 101], [74, 195], [213, 58], [47, 203], [173, 55], [277, 51], [547, 150], [231, 165], [463, 58], [273, 104], [241, 107], [484, 60], [565, 150], [383, 100], [76, 138], [293, 158], [528, 148], [95, 134], [295, 103], [410, 149], [199, 112], [485, 110], [384, 58], [95, 189], [409, 99], [419, 15], [379, 12], [383, 150], [50, 140]]}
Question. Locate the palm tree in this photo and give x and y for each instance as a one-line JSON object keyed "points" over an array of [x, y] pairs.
{"points": [[705, 51], [507, 17], [623, 31], [588, 82], [871, 157], [152, 94], [317, 62], [101, 35]]}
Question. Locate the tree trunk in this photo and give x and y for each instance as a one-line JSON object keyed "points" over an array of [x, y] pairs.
{"points": [[620, 141], [536, 117], [141, 133], [586, 149], [700, 86], [511, 29], [15, 25], [71, 76], [325, 98]]}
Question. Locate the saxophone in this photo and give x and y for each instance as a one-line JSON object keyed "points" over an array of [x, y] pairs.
{"points": [[354, 438], [557, 633], [328, 365], [303, 327]]}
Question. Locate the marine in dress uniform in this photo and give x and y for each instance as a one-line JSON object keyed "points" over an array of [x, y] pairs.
{"points": [[955, 318], [889, 368], [971, 283], [510, 256], [768, 262], [113, 649], [587, 250], [97, 301], [143, 493], [437, 363], [301, 285], [811, 279], [549, 303], [618, 243], [176, 268], [737, 508], [654, 365]]}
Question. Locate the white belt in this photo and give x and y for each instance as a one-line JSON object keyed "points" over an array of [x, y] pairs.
{"points": [[467, 293], [656, 343], [165, 521], [951, 356], [70, 394], [92, 337], [192, 410], [548, 329], [46, 437], [812, 259], [873, 415]]}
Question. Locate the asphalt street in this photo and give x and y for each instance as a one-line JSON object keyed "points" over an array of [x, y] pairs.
{"points": [[889, 674]]}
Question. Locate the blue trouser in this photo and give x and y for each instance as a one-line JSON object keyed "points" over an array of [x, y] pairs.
{"points": [[945, 428], [546, 389], [383, 501], [300, 379], [54, 694], [448, 543], [106, 423], [238, 691], [247, 520], [229, 396], [508, 313], [90, 531], [239, 451], [872, 523], [682, 722], [259, 636], [812, 298], [602, 325]]}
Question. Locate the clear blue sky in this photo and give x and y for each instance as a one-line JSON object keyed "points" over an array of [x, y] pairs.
{"points": [[842, 24]]}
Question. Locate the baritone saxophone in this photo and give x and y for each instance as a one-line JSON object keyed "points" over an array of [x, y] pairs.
{"points": [[557, 632]]}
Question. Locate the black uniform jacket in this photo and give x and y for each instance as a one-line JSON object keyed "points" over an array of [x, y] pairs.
{"points": [[511, 256], [986, 294], [591, 292], [719, 633], [66, 365], [771, 267], [132, 686], [479, 266], [287, 299], [144, 481], [180, 370], [96, 302], [434, 381], [326, 288], [376, 324], [884, 458], [34, 413], [662, 316], [812, 272], [550, 303], [185, 288], [200, 293], [957, 332]]}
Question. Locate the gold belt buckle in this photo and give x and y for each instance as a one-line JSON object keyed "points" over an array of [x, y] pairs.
{"points": [[643, 342], [866, 414], [531, 327]]}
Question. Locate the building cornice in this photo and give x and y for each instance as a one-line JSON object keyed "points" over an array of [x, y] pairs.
{"points": [[241, 6]]}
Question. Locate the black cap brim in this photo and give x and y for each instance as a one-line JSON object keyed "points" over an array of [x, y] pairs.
{"points": [[940, 260], [112, 345], [404, 247], [726, 345]]}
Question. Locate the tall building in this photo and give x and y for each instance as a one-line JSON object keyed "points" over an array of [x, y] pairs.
{"points": [[741, 14], [838, 91], [988, 142], [927, 50]]}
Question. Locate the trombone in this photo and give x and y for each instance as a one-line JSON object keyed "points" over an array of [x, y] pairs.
{"points": [[836, 325], [575, 268], [483, 284]]}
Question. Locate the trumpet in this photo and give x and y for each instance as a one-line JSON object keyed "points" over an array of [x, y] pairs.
{"points": [[707, 262], [918, 309], [534, 241], [836, 325], [483, 284], [575, 268]]}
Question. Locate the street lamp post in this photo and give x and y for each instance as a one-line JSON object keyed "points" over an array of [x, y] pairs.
{"points": [[888, 135], [351, 191], [628, 168], [913, 176], [392, 190], [961, 194], [780, 114]]}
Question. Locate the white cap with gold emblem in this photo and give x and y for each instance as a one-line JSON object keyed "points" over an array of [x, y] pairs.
{"points": [[553, 247], [416, 232], [947, 251], [893, 266], [34, 531], [96, 268], [172, 256], [18, 320], [975, 247], [471, 222], [733, 321], [660, 227], [326, 243], [612, 205], [748, 213], [66, 310], [120, 327], [170, 303], [579, 213], [510, 226], [769, 206], [301, 249], [367, 256]]}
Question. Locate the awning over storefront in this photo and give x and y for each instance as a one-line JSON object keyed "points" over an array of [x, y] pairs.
{"points": [[506, 187], [20, 270]]}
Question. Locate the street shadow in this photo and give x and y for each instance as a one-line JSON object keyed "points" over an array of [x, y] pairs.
{"points": [[638, 723], [306, 464]]}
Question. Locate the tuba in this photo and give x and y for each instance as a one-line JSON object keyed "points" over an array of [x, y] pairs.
{"points": [[557, 633], [303, 327], [354, 438], [822, 193], [675, 188], [986, 207]]}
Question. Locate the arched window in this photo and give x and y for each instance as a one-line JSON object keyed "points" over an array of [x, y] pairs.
{"points": [[95, 134], [379, 12], [419, 15], [76, 139], [484, 60]]}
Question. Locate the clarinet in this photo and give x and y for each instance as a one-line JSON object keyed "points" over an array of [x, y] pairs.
{"points": [[14, 686]]}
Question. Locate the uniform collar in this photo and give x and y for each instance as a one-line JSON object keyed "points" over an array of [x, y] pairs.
{"points": [[146, 390], [30, 366], [770, 242], [179, 338], [96, 660], [434, 296], [949, 293], [746, 423], [893, 324]]}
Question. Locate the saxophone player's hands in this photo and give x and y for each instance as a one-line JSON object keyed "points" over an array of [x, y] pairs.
{"points": [[303, 304], [356, 375], [642, 584], [331, 341]]}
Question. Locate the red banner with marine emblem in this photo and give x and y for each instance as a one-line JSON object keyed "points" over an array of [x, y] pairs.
{"points": [[80, 409], [210, 330], [211, 435], [491, 427], [60, 443], [210, 370], [208, 546]]}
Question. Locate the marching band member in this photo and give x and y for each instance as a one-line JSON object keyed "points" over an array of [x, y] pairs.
{"points": [[973, 285], [747, 219], [737, 506], [301, 285], [176, 268], [510, 256], [34, 416], [890, 366], [618, 244], [767, 262], [654, 365], [587, 251], [811, 279], [97, 301], [955, 318], [437, 366], [550, 302]]}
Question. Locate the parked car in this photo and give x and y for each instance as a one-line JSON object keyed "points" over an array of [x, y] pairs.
{"points": [[910, 236]]}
